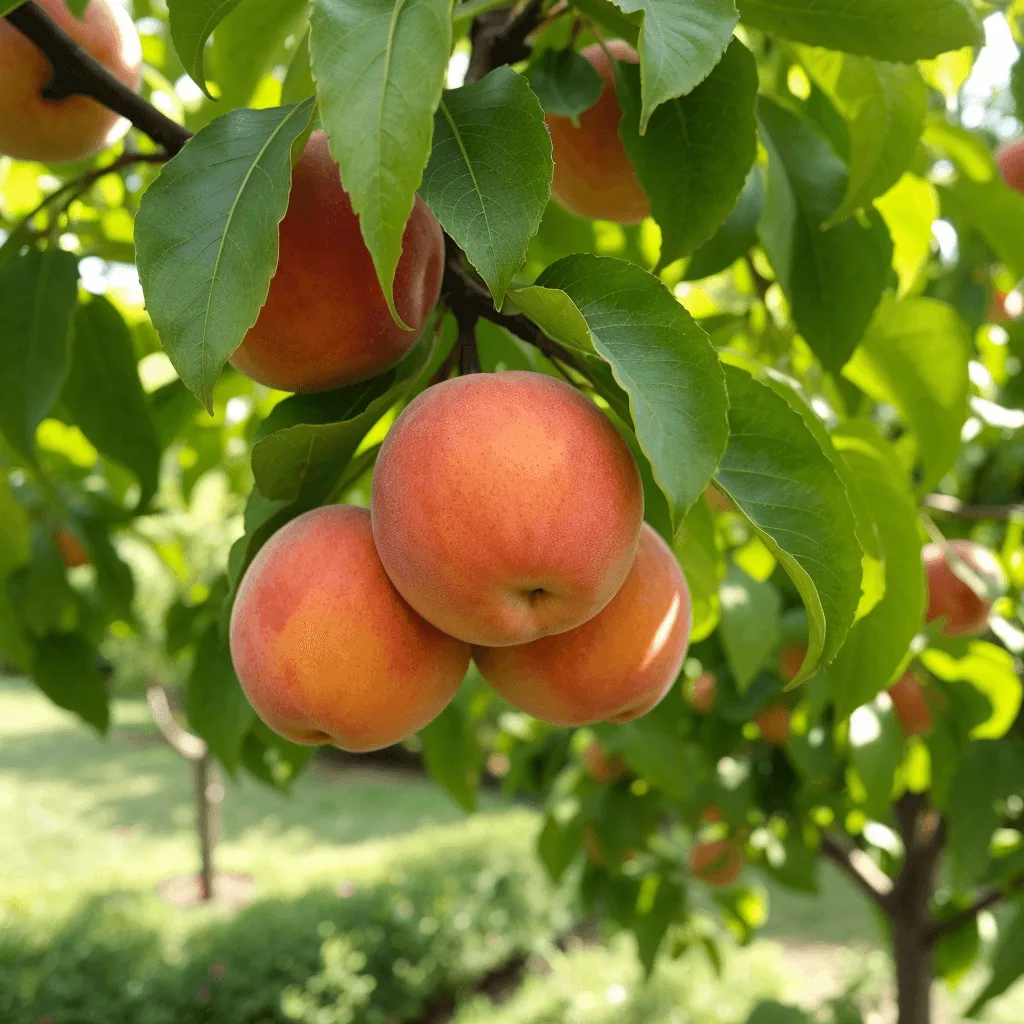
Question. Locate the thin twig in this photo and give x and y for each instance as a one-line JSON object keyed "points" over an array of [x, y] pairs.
{"points": [[860, 868], [957, 509], [78, 73], [991, 898]]}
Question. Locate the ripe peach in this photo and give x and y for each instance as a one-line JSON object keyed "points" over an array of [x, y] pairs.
{"points": [[915, 717], [700, 694], [326, 649], [72, 551], [57, 131], [717, 862], [593, 175], [600, 767], [711, 815], [326, 322], [773, 721], [1010, 159], [615, 667], [791, 657], [949, 597], [505, 507]]}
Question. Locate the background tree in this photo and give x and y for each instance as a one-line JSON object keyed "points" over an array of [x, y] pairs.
{"points": [[781, 328]]}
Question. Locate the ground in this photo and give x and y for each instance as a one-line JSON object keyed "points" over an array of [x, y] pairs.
{"points": [[84, 816]]}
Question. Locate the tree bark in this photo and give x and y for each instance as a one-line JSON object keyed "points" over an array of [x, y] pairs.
{"points": [[914, 972]]}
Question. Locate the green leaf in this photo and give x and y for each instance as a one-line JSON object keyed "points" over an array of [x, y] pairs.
{"points": [[1008, 959], [651, 925], [876, 750], [909, 209], [776, 1013], [207, 237], [566, 83], [14, 552], [883, 105], [272, 759], [900, 30], [606, 14], [694, 158], [380, 66], [215, 702], [65, 669], [750, 624], [37, 296], [104, 396], [832, 278], [451, 751], [249, 42], [114, 577], [298, 80], [877, 647], [780, 479], [559, 842], [658, 356], [991, 671], [996, 211], [192, 22], [957, 952], [914, 356], [489, 175], [695, 547], [736, 236], [680, 42]]}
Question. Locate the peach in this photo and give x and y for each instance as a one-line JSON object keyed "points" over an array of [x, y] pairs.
{"points": [[716, 499], [949, 597], [506, 507], [773, 721], [1010, 159], [912, 711], [717, 862], [324, 646], [58, 131], [600, 767], [326, 322], [711, 814], [72, 551], [593, 175], [700, 694], [617, 666], [791, 657]]}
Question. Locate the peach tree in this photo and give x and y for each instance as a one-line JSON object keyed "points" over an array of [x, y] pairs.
{"points": [[768, 243]]}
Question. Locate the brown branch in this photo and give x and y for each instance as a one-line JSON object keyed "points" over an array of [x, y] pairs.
{"points": [[499, 37], [991, 898], [859, 868], [958, 509], [78, 73]]}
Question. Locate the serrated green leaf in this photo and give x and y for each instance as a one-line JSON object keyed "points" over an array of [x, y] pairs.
{"points": [[65, 668], [915, 356], [192, 22], [750, 624], [207, 237], [883, 105], [833, 279], [489, 175], [697, 150], [104, 396], [780, 479], [566, 83], [37, 296], [900, 30], [877, 647], [736, 236], [680, 42], [215, 703], [657, 355], [380, 66]]}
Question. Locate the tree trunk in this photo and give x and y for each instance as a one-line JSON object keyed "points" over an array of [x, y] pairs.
{"points": [[914, 972]]}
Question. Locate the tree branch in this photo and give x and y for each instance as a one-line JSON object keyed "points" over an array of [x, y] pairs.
{"points": [[991, 898], [957, 509], [77, 73], [499, 37], [859, 868]]}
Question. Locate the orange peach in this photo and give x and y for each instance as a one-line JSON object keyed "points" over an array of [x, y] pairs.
{"points": [[700, 694], [912, 711], [949, 597], [506, 507], [600, 767], [593, 175], [326, 322], [717, 862], [57, 131], [617, 666], [324, 646], [773, 721], [72, 551]]}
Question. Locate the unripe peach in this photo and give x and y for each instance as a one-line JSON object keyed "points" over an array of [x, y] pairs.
{"points": [[773, 721], [908, 701], [600, 767], [717, 862], [72, 551], [700, 694], [324, 646], [949, 597], [617, 666], [593, 175], [326, 322], [506, 507], [58, 131]]}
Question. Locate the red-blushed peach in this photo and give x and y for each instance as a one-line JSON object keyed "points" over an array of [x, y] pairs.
{"points": [[593, 174], [326, 322], [949, 597], [908, 701], [600, 767], [700, 694], [1010, 158], [506, 507], [72, 551], [324, 646], [717, 862], [58, 131], [614, 668], [773, 721]]}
